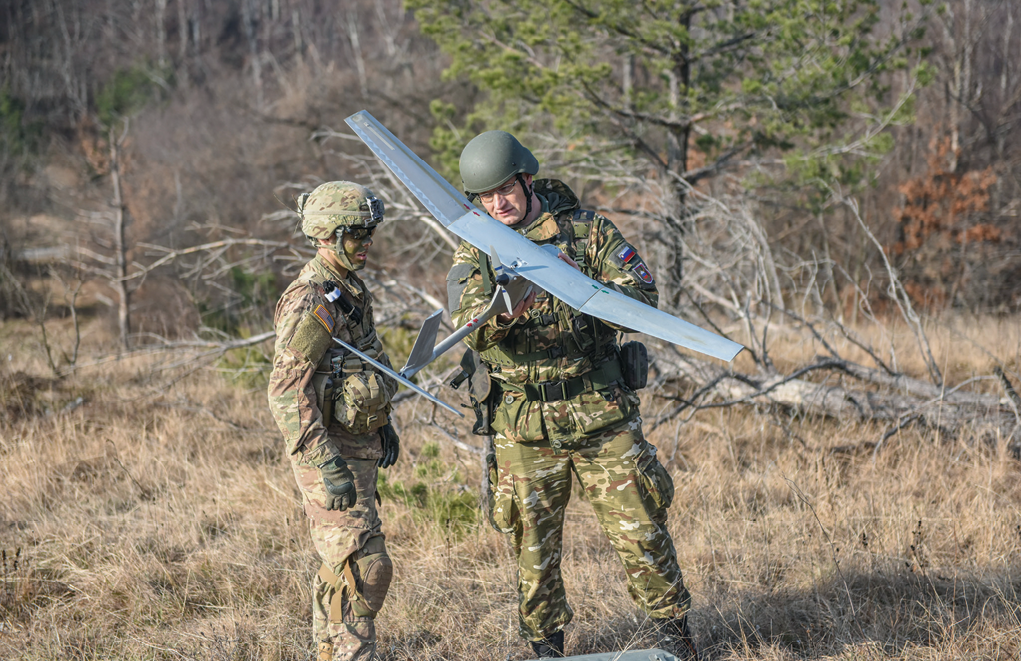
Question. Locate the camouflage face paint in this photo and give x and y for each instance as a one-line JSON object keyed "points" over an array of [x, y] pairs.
{"points": [[352, 250]]}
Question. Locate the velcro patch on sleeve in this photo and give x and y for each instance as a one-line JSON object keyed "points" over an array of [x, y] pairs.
{"points": [[457, 282], [626, 254], [461, 271], [311, 339]]}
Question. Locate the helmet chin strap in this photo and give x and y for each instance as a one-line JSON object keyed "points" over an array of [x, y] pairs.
{"points": [[337, 248], [528, 197]]}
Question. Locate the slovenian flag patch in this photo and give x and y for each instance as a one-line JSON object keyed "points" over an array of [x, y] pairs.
{"points": [[626, 254], [324, 316], [643, 272]]}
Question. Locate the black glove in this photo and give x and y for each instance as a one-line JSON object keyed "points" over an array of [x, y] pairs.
{"points": [[391, 445], [340, 484]]}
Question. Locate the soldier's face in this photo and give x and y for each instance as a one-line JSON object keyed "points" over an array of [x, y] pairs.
{"points": [[356, 249], [508, 206]]}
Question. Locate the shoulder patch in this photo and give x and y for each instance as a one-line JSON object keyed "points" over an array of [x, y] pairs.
{"points": [[643, 272], [324, 316], [311, 339], [626, 254]]}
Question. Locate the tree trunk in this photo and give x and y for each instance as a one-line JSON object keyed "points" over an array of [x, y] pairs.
{"points": [[120, 283]]}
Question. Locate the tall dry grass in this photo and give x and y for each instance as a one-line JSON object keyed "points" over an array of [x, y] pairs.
{"points": [[157, 521]]}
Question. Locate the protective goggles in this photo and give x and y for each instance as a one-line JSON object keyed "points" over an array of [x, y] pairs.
{"points": [[357, 234]]}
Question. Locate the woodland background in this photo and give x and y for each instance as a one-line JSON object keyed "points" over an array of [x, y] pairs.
{"points": [[834, 184]]}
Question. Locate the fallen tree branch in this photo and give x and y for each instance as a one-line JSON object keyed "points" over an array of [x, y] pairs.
{"points": [[881, 397]]}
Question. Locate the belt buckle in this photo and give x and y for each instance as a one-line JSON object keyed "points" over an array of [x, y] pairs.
{"points": [[555, 352], [544, 390]]}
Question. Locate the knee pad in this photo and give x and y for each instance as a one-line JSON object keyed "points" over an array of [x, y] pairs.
{"points": [[373, 571], [364, 581]]}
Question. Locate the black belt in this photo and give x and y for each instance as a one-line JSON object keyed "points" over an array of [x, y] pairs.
{"points": [[594, 380]]}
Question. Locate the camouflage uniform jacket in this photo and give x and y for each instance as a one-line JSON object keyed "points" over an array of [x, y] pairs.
{"points": [[553, 342], [305, 323]]}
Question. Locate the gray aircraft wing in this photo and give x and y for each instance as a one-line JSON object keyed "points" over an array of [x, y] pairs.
{"points": [[521, 256]]}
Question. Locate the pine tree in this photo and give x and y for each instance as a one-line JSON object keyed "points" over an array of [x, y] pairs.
{"points": [[680, 89]]}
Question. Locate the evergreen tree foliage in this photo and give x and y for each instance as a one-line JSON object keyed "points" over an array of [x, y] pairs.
{"points": [[688, 87]]}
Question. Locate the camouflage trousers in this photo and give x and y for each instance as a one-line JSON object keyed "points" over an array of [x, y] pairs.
{"points": [[342, 623], [630, 492]]}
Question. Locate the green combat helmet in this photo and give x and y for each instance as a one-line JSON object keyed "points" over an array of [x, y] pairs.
{"points": [[491, 158], [337, 207]]}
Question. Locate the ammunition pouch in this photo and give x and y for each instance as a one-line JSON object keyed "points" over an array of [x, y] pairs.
{"points": [[482, 392], [361, 396], [634, 363]]}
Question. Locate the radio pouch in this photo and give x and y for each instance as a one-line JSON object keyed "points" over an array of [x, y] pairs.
{"points": [[634, 364]]}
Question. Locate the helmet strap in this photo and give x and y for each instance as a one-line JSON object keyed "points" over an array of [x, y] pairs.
{"points": [[528, 197]]}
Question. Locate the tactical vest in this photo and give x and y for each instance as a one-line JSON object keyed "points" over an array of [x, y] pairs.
{"points": [[557, 331], [349, 391]]}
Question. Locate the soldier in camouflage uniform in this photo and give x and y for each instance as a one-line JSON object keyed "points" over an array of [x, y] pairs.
{"points": [[333, 411], [559, 402]]}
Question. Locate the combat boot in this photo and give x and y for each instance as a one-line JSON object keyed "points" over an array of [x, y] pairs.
{"points": [[675, 636], [550, 647]]}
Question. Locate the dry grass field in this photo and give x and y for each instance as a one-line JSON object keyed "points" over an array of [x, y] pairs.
{"points": [[160, 520]]}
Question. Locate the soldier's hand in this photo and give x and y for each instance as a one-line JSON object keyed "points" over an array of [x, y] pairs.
{"points": [[563, 256], [519, 309], [391, 445], [339, 483]]}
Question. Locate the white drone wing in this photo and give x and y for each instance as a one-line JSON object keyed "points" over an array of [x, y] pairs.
{"points": [[544, 268]]}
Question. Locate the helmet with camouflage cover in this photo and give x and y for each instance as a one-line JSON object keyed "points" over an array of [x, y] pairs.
{"points": [[491, 158], [336, 210], [335, 205]]}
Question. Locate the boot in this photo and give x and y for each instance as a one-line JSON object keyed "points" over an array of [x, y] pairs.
{"points": [[676, 637], [550, 647]]}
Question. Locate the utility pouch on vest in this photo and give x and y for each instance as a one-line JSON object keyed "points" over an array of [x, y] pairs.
{"points": [[634, 364], [361, 396], [480, 390]]}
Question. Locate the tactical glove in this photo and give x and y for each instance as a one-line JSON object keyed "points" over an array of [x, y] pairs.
{"points": [[339, 483], [391, 445]]}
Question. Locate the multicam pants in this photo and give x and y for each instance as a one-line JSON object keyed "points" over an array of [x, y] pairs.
{"points": [[339, 536], [630, 492]]}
